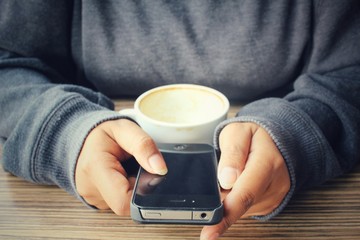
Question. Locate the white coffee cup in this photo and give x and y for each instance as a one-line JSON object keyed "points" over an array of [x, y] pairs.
{"points": [[179, 113]]}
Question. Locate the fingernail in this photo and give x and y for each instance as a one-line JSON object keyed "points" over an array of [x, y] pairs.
{"points": [[228, 177], [158, 164]]}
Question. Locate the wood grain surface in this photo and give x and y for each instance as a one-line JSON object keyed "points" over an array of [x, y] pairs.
{"points": [[29, 211]]}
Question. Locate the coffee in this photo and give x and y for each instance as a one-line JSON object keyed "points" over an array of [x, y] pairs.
{"points": [[182, 105], [179, 113]]}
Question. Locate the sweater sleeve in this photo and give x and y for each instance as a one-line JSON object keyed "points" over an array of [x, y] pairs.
{"points": [[317, 126], [44, 124]]}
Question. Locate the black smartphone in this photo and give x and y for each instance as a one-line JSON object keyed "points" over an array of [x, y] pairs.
{"points": [[188, 193]]}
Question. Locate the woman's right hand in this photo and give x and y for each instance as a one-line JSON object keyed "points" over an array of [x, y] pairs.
{"points": [[100, 177]]}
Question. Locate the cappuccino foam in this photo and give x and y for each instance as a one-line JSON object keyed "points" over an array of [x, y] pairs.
{"points": [[182, 105]]}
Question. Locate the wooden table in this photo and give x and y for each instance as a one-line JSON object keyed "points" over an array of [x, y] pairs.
{"points": [[29, 211]]}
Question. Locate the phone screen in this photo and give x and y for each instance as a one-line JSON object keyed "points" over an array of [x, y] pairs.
{"points": [[190, 183]]}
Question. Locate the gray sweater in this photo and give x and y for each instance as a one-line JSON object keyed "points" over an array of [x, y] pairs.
{"points": [[295, 63]]}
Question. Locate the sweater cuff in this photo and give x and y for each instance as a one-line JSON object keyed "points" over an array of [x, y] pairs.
{"points": [[61, 141], [296, 136]]}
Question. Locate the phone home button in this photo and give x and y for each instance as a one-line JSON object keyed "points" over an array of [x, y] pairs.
{"points": [[166, 214]]}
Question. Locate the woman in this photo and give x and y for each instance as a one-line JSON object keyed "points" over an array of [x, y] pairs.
{"points": [[295, 63]]}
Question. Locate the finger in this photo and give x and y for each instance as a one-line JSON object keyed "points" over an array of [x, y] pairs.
{"points": [[132, 181], [265, 206], [234, 142], [139, 144], [94, 198], [98, 203], [250, 185], [236, 203], [113, 186], [276, 191], [224, 193]]}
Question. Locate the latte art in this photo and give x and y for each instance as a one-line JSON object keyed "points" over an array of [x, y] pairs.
{"points": [[182, 106]]}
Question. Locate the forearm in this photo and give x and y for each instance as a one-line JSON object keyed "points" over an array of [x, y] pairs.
{"points": [[317, 134], [44, 124]]}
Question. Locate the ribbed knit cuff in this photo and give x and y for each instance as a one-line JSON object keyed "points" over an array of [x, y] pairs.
{"points": [[62, 138]]}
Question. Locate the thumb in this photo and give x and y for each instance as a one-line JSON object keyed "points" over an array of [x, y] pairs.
{"points": [[234, 142], [136, 142]]}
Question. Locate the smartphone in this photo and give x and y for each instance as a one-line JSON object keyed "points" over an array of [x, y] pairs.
{"points": [[188, 194]]}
